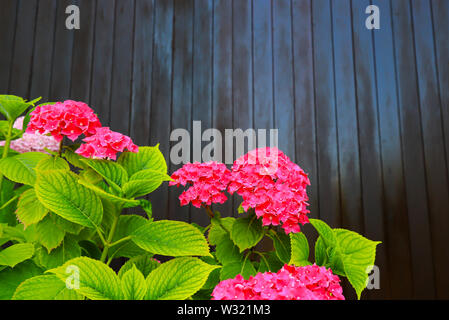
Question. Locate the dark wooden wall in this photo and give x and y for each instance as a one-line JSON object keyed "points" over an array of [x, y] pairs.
{"points": [[365, 113]]}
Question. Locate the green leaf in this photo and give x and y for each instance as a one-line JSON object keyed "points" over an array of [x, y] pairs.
{"points": [[227, 251], [90, 249], [20, 168], [144, 182], [45, 287], [282, 245], [60, 192], [12, 106], [300, 250], [126, 226], [245, 268], [29, 209], [147, 207], [320, 252], [146, 158], [74, 159], [324, 231], [358, 255], [68, 249], [49, 235], [109, 196], [171, 238], [96, 280], [11, 278], [247, 232], [178, 279], [52, 163], [114, 174], [65, 225], [4, 131], [220, 227], [144, 263], [16, 254], [133, 285]]}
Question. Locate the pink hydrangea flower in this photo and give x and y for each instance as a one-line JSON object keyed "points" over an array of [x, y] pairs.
{"points": [[68, 118], [290, 283], [208, 181], [32, 142], [273, 186], [105, 144]]}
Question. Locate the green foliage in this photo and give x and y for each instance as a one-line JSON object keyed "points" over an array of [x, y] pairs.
{"points": [[133, 284], [247, 232], [300, 250], [12, 106], [144, 263], [44, 287], [16, 254], [282, 245], [20, 168], [29, 209], [11, 278]]}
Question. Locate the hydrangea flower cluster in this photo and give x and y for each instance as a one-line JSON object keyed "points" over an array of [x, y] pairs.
{"points": [[208, 182], [32, 142], [68, 118], [105, 144], [273, 186], [290, 283]]}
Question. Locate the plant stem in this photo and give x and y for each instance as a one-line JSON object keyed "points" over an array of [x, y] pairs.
{"points": [[104, 254], [9, 202], [209, 211], [120, 241], [6, 148]]}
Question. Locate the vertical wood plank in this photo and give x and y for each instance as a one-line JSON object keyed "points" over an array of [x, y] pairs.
{"points": [[222, 78], [62, 55], [23, 48], [43, 53], [182, 91], [8, 15], [371, 167], [305, 138], [82, 52], [395, 200], [414, 168], [100, 91], [433, 141], [161, 94], [202, 83], [327, 152]]}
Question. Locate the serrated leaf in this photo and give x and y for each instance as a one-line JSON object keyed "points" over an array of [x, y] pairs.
{"points": [[282, 245], [16, 254], [178, 279], [49, 235], [96, 280], [220, 227], [324, 231], [127, 225], [11, 278], [44, 287], [134, 286], [52, 163], [144, 182], [109, 196], [20, 168], [67, 250], [112, 172], [65, 225], [144, 263], [29, 209], [247, 232], [245, 268], [12, 106], [300, 249], [60, 192], [146, 158], [171, 238]]}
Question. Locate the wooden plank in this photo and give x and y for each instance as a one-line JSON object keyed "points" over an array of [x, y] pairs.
{"points": [[122, 67], [440, 18], [414, 168], [23, 49], [345, 97], [100, 91], [370, 159], [397, 242], [161, 94], [62, 55], [182, 92], [263, 65], [222, 78], [8, 15], [433, 141], [284, 116], [202, 84], [83, 44], [43, 53], [305, 138], [327, 152]]}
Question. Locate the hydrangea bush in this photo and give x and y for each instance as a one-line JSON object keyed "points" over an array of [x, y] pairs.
{"points": [[62, 221]]}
